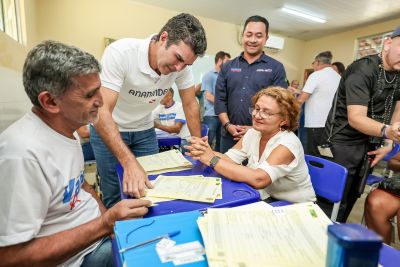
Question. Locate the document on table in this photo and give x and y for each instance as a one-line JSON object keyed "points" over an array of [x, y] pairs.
{"points": [[294, 235], [171, 160], [194, 188]]}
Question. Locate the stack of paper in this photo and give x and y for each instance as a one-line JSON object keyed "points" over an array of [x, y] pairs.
{"points": [[194, 188], [168, 161], [294, 235]]}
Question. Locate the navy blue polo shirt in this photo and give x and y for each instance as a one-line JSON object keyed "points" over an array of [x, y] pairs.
{"points": [[238, 81]]}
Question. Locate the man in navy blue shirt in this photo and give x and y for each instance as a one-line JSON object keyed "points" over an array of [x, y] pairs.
{"points": [[243, 77]]}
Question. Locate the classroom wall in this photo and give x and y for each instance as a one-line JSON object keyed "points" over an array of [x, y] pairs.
{"points": [[342, 45], [63, 21]]}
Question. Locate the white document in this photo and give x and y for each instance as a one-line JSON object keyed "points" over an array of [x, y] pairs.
{"points": [[194, 188], [171, 160], [294, 235]]}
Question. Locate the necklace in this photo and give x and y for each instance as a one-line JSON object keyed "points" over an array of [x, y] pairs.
{"points": [[386, 80]]}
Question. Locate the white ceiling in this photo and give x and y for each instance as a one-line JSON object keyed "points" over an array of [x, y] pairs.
{"points": [[341, 15]]}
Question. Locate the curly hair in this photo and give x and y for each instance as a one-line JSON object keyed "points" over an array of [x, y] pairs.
{"points": [[288, 104]]}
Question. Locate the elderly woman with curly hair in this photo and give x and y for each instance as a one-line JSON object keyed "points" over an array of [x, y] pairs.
{"points": [[276, 164]]}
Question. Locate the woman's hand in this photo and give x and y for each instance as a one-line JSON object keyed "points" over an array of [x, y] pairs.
{"points": [[199, 149], [380, 153]]}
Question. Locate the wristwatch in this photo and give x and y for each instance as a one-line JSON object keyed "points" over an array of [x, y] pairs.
{"points": [[214, 160]]}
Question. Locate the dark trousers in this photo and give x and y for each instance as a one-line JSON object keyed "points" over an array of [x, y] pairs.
{"points": [[352, 158], [227, 141], [314, 139], [214, 131]]}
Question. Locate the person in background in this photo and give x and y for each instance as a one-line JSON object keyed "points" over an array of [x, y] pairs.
{"points": [[136, 75], [339, 67], [87, 149], [381, 206], [169, 117], [199, 95], [365, 119], [317, 94], [50, 216], [294, 87], [241, 78], [276, 164], [208, 86]]}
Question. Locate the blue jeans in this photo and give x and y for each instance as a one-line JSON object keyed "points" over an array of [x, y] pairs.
{"points": [[141, 143], [214, 130], [87, 151], [102, 256]]}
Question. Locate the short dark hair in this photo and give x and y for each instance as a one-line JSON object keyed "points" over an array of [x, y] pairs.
{"points": [[51, 66], [340, 66], [324, 57], [185, 27], [221, 55], [257, 18]]}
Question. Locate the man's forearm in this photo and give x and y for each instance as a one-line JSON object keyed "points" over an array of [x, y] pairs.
{"points": [[169, 129], [109, 133], [192, 113], [54, 249], [223, 117]]}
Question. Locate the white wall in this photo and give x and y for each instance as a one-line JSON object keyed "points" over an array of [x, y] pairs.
{"points": [[13, 100]]}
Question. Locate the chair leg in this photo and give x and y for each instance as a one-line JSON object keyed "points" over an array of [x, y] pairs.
{"points": [[335, 211]]}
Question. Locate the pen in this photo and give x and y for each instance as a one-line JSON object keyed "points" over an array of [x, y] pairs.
{"points": [[170, 234]]}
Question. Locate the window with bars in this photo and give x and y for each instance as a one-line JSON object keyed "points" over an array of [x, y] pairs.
{"points": [[10, 20]]}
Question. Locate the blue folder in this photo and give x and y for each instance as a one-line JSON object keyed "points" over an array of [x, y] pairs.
{"points": [[145, 229]]}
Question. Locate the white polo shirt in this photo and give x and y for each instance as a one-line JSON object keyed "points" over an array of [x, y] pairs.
{"points": [[322, 86], [126, 70]]}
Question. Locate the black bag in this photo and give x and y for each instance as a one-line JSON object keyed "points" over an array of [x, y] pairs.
{"points": [[390, 185]]}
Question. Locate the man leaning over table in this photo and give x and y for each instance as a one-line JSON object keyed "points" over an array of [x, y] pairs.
{"points": [[49, 215], [136, 75]]}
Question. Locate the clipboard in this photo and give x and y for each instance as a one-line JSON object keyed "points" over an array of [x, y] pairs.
{"points": [[145, 229]]}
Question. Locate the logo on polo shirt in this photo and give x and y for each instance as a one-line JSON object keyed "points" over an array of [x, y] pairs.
{"points": [[263, 70], [71, 191], [236, 70], [148, 94]]}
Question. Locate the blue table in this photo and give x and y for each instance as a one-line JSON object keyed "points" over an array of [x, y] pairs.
{"points": [[166, 139], [233, 193]]}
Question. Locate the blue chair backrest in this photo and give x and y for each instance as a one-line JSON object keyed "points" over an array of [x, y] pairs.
{"points": [[395, 150], [204, 130], [328, 178]]}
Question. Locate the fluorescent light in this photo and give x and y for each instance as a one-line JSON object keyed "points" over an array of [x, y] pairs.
{"points": [[303, 15]]}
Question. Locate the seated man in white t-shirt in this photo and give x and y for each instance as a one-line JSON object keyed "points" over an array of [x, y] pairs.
{"points": [[50, 216], [169, 117]]}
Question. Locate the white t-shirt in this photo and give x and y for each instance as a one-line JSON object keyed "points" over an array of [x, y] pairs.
{"points": [[126, 70], [168, 117], [322, 86], [289, 182], [41, 177]]}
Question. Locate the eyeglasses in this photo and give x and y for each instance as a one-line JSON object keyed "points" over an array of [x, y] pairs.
{"points": [[263, 114]]}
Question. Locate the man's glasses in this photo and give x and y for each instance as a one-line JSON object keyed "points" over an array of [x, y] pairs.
{"points": [[263, 114]]}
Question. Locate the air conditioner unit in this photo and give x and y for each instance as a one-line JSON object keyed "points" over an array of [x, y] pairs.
{"points": [[275, 42]]}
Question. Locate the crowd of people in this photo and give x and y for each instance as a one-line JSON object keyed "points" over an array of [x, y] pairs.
{"points": [[51, 216]]}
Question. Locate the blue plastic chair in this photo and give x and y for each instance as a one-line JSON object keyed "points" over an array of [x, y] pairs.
{"points": [[204, 130], [328, 179]]}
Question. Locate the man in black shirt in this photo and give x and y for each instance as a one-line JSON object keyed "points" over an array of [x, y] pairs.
{"points": [[365, 117]]}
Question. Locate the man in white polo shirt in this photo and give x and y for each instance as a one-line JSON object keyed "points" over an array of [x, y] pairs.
{"points": [[135, 77], [318, 93]]}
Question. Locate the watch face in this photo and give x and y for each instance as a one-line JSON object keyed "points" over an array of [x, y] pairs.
{"points": [[214, 161]]}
